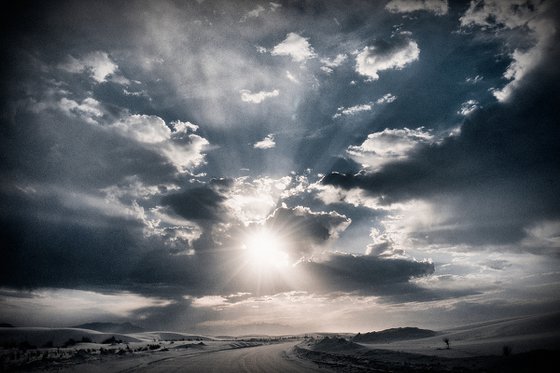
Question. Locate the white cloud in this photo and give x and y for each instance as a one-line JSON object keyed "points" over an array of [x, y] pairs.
{"points": [[89, 109], [257, 98], [523, 62], [383, 245], [373, 59], [468, 107], [177, 141], [474, 79], [388, 145], [98, 64], [352, 110], [438, 7], [180, 146], [514, 15], [252, 200], [491, 13], [256, 12], [386, 99], [186, 149], [261, 49], [291, 77], [141, 93], [329, 194], [330, 64], [543, 237], [295, 46], [73, 306], [266, 143], [182, 128], [213, 301], [148, 129], [259, 10]]}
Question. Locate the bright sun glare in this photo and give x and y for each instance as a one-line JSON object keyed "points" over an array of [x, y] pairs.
{"points": [[265, 249]]}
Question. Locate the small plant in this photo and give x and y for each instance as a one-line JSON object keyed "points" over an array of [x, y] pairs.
{"points": [[111, 341], [24, 346], [506, 350], [48, 344], [446, 341], [86, 340], [69, 343]]}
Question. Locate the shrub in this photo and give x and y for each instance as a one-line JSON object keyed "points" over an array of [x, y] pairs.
{"points": [[506, 350], [86, 340], [110, 341], [69, 343], [26, 346]]}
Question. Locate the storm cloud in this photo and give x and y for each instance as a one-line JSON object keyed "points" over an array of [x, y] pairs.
{"points": [[498, 175], [199, 159]]}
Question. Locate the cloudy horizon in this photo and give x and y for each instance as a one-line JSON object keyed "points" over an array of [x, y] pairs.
{"points": [[279, 167]]}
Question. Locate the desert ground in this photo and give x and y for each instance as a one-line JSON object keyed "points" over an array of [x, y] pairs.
{"points": [[525, 344]]}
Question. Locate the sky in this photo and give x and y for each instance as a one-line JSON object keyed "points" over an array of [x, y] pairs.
{"points": [[231, 167]]}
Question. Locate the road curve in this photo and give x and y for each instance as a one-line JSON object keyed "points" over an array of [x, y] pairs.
{"points": [[268, 358]]}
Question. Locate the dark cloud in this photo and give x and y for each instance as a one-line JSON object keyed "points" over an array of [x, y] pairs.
{"points": [[497, 264], [201, 203], [45, 244], [498, 176], [365, 274], [178, 315], [54, 149], [304, 229], [91, 251]]}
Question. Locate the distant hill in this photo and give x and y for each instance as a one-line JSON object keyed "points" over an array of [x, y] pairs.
{"points": [[334, 344], [109, 327], [393, 334]]}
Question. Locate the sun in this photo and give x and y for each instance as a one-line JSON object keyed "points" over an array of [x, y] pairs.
{"points": [[265, 249]]}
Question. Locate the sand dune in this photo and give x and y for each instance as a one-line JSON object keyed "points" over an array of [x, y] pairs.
{"points": [[473, 347], [532, 342], [58, 336], [521, 334]]}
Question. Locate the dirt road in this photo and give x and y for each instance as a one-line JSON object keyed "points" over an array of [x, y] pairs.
{"points": [[268, 358]]}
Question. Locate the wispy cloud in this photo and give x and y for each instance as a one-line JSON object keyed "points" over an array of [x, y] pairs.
{"points": [[438, 7], [352, 110], [495, 15], [295, 46], [356, 109], [389, 145], [97, 64], [258, 97], [266, 143], [328, 64], [468, 107]]}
